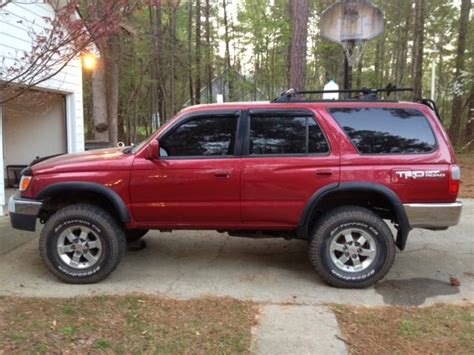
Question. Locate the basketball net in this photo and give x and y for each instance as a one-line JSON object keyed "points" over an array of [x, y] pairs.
{"points": [[354, 50]]}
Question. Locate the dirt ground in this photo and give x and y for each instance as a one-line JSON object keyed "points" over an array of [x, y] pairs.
{"points": [[466, 161], [438, 329], [125, 324]]}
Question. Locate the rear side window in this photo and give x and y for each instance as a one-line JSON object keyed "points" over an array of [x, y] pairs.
{"points": [[386, 130], [286, 134]]}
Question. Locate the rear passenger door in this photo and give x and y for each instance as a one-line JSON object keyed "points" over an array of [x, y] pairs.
{"points": [[286, 159]]}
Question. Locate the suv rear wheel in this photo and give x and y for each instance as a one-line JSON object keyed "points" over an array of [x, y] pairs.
{"points": [[82, 244], [352, 247]]}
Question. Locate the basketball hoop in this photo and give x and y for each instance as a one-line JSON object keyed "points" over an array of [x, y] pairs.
{"points": [[354, 51], [352, 23]]}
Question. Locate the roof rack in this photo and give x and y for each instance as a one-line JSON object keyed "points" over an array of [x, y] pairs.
{"points": [[365, 94]]}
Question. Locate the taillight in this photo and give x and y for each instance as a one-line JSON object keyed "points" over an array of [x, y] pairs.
{"points": [[454, 179]]}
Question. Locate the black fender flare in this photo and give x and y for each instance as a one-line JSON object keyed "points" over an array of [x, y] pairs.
{"points": [[109, 194], [397, 205]]}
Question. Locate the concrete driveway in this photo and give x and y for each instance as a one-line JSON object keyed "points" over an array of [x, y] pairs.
{"points": [[191, 264]]}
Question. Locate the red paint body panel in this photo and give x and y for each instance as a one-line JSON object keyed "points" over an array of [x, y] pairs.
{"points": [[249, 192], [187, 192], [276, 190]]}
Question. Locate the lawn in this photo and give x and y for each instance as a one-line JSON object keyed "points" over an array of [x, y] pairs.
{"points": [[466, 161], [439, 329], [125, 324]]}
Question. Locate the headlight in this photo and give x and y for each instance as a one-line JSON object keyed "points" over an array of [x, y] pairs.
{"points": [[25, 183]]}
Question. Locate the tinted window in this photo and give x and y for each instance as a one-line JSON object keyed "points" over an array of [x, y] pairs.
{"points": [[282, 134], [317, 142], [201, 136], [386, 130]]}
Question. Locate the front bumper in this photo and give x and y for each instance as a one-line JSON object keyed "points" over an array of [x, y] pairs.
{"points": [[23, 212], [433, 215]]}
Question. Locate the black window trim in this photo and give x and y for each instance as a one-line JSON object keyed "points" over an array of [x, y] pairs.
{"points": [[287, 112], [435, 147], [210, 113]]}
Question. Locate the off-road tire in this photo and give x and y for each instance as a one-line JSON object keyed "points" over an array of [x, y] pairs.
{"points": [[106, 228], [336, 221], [132, 235]]}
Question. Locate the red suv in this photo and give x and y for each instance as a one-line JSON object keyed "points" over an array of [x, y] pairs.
{"points": [[334, 173]]}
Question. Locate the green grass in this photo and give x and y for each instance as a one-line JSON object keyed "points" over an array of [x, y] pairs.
{"points": [[67, 330], [102, 344]]}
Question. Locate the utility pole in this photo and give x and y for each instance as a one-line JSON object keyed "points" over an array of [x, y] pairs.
{"points": [[434, 53]]}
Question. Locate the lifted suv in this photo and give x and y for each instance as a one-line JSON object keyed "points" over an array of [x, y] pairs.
{"points": [[334, 173]]}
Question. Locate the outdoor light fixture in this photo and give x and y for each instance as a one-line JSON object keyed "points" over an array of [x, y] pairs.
{"points": [[89, 61]]}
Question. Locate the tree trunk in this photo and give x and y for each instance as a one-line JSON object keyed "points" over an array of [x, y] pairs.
{"points": [[403, 52], [418, 48], [157, 104], [198, 52], [207, 13], [172, 31], [112, 76], [457, 112], [299, 35], [470, 120], [161, 65], [190, 53], [99, 103], [227, 55]]}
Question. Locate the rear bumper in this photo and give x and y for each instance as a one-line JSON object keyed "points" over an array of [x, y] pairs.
{"points": [[433, 215], [23, 212]]}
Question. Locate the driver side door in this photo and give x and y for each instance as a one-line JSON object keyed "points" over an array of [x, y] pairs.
{"points": [[196, 181]]}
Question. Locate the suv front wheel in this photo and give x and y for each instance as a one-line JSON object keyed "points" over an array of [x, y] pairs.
{"points": [[82, 244], [352, 247]]}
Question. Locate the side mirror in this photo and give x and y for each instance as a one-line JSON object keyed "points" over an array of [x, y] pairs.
{"points": [[154, 150]]}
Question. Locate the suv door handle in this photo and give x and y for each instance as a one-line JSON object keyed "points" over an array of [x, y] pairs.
{"points": [[222, 173], [323, 173]]}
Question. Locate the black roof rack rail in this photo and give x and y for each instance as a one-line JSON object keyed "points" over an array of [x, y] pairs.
{"points": [[432, 105], [365, 94]]}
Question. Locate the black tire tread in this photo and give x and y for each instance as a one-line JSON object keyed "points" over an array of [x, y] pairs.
{"points": [[103, 218], [340, 215]]}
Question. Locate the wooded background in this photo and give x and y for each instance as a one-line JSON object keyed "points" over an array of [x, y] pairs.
{"points": [[167, 53]]}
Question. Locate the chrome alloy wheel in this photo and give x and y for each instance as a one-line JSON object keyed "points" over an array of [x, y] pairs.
{"points": [[79, 247], [352, 250]]}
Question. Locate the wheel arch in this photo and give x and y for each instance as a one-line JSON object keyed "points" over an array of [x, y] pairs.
{"points": [[362, 193], [86, 190]]}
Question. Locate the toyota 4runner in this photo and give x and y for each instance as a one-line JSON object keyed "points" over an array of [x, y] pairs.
{"points": [[337, 174]]}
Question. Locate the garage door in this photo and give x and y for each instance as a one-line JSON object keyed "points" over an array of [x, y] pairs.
{"points": [[34, 125]]}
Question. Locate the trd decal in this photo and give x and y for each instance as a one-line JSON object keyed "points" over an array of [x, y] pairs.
{"points": [[419, 174]]}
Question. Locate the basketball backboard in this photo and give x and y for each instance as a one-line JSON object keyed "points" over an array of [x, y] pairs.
{"points": [[351, 20]]}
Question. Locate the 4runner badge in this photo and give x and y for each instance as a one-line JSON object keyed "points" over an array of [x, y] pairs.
{"points": [[418, 174]]}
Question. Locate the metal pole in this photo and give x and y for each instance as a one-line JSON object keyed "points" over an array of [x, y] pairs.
{"points": [[348, 68], [346, 73]]}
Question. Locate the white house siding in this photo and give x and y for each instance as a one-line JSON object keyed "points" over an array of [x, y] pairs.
{"points": [[16, 21]]}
